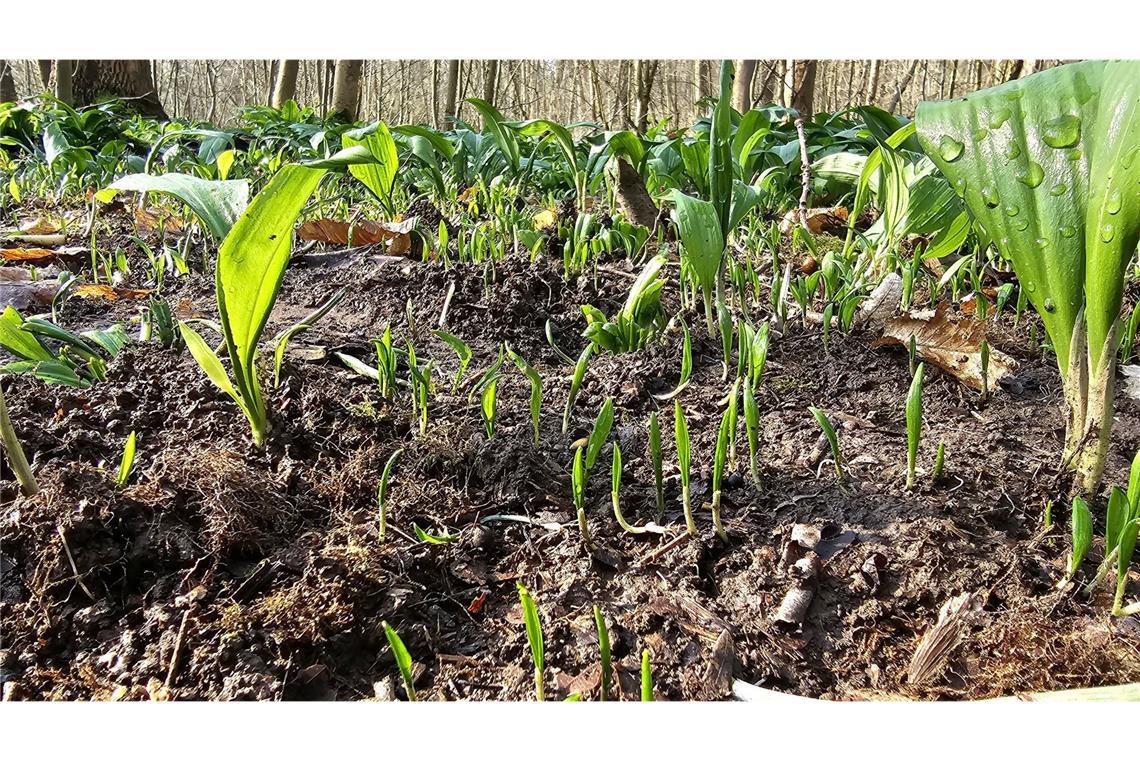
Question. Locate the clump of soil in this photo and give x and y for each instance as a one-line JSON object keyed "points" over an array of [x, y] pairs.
{"points": [[225, 572]]}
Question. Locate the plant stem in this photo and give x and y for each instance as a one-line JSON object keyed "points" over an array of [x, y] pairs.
{"points": [[690, 524], [716, 517], [15, 452]]}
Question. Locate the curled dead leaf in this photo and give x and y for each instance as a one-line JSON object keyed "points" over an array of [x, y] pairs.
{"points": [[952, 345], [361, 233], [830, 220], [26, 254]]}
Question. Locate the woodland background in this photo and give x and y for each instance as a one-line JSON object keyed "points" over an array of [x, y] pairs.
{"points": [[613, 93]]}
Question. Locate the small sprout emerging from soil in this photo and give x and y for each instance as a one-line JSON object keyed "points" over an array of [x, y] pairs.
{"points": [[382, 491], [939, 462], [616, 498], [601, 431], [487, 404], [427, 538], [655, 454], [15, 451], [646, 677], [534, 637], [832, 440], [535, 389], [913, 423], [578, 487], [604, 647], [576, 383], [912, 355], [686, 364], [1081, 519], [280, 343], [684, 462], [828, 312], [752, 430], [386, 363], [725, 434], [461, 349], [403, 659], [127, 460], [1125, 549]]}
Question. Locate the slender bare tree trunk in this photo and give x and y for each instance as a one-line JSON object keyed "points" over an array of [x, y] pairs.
{"points": [[346, 88], [700, 84], [490, 80], [873, 82], [63, 90], [900, 88], [45, 72], [597, 103], [788, 82], [804, 98], [644, 71], [742, 85], [7, 83], [450, 94], [285, 88]]}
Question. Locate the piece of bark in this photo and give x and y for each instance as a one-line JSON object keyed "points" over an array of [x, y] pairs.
{"points": [[633, 199]]}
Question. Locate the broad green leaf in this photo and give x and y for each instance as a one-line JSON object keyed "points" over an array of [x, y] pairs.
{"points": [[1047, 166], [1116, 514], [251, 265], [378, 176], [699, 229], [218, 203], [402, 658], [209, 361], [721, 170], [504, 135], [19, 341]]}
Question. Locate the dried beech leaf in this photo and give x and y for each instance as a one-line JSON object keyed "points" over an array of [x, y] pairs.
{"points": [[26, 254], [109, 293], [830, 220], [361, 233], [952, 345]]}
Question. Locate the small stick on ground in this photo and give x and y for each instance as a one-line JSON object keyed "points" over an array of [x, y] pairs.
{"points": [[664, 549], [176, 654], [71, 561], [446, 305]]}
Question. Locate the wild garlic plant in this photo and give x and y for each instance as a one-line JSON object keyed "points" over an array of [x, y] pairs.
{"points": [[382, 492], [656, 456], [534, 637], [832, 440], [16, 459], [402, 658], [684, 462], [913, 424], [606, 655]]}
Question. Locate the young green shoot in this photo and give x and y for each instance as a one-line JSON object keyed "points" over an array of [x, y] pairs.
{"points": [[832, 439], [1081, 519], [488, 401], [600, 432], [984, 350], [686, 365], [535, 389], [576, 383], [578, 488], [461, 349], [403, 659], [719, 461], [382, 491], [534, 637], [615, 496], [1125, 549], [607, 659], [939, 462], [126, 461], [684, 462], [913, 423], [752, 429], [646, 677], [15, 452]]}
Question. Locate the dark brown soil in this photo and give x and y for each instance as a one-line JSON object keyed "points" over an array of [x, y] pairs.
{"points": [[223, 572]]}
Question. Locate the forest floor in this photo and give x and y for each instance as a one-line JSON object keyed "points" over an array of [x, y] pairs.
{"points": [[225, 572]]}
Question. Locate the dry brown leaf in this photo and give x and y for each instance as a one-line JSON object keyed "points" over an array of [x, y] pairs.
{"points": [[361, 233], [829, 219], [40, 226], [952, 345], [26, 254], [148, 220], [466, 194], [109, 293]]}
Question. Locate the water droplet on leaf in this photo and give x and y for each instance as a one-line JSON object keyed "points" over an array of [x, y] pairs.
{"points": [[1013, 151], [1033, 175], [1062, 132], [980, 134], [1058, 189], [1068, 231], [949, 148], [1112, 205], [1107, 232], [1050, 306], [1021, 224], [999, 116], [990, 196], [1012, 210]]}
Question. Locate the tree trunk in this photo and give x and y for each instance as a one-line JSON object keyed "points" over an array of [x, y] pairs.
{"points": [[490, 80], [450, 94], [285, 88], [45, 73], [873, 82], [130, 79], [901, 87], [645, 71], [63, 76], [701, 86], [787, 82], [7, 83], [346, 88], [1014, 70], [742, 85], [804, 99]]}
